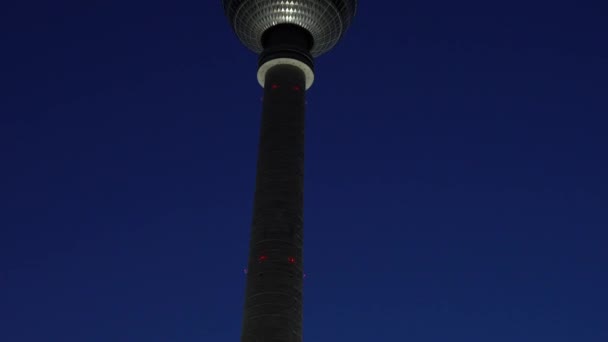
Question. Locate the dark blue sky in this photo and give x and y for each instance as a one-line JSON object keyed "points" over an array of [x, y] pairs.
{"points": [[456, 170]]}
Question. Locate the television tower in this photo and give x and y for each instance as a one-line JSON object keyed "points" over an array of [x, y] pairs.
{"points": [[287, 35]]}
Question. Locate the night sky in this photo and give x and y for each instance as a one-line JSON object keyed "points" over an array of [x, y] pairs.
{"points": [[456, 173]]}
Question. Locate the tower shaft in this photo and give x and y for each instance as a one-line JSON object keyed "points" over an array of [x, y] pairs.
{"points": [[273, 295]]}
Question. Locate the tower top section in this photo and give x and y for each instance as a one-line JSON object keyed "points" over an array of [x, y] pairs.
{"points": [[325, 20]]}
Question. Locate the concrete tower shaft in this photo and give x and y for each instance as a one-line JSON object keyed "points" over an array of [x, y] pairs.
{"points": [[273, 295], [287, 35]]}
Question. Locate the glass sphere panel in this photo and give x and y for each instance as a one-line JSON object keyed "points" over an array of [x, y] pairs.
{"points": [[326, 20]]}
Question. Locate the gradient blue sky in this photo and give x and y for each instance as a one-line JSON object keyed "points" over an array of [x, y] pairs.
{"points": [[456, 170]]}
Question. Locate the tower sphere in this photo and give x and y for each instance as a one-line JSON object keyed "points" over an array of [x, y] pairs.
{"points": [[325, 20]]}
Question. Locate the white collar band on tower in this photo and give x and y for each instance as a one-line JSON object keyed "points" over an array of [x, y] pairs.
{"points": [[308, 72]]}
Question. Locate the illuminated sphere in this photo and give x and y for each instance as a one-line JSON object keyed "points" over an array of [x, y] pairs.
{"points": [[325, 20]]}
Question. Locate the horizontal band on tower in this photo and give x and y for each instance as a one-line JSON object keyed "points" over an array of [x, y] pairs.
{"points": [[307, 70]]}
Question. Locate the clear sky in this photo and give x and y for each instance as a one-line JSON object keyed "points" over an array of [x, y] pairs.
{"points": [[456, 166]]}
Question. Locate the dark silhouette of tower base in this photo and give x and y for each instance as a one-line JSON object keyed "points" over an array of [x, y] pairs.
{"points": [[287, 35]]}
